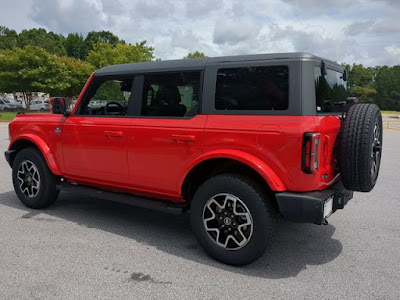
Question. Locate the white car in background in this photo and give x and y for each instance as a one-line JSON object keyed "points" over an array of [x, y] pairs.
{"points": [[6, 105], [17, 103], [40, 105]]}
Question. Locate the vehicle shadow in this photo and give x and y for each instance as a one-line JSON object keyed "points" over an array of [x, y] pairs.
{"points": [[295, 247]]}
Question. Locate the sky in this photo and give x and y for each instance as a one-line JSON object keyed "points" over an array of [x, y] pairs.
{"points": [[350, 31]]}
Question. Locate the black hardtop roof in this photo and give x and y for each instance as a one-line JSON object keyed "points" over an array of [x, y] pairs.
{"points": [[196, 63]]}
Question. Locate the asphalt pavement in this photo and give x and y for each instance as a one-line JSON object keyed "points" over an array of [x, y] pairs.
{"points": [[83, 248]]}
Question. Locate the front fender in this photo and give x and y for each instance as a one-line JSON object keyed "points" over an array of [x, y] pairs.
{"points": [[43, 147], [269, 175]]}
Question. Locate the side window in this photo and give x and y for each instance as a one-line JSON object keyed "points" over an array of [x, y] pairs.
{"points": [[171, 94], [252, 88], [108, 98], [330, 91]]}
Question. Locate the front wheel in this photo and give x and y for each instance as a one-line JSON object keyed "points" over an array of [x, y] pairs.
{"points": [[233, 219], [34, 183]]}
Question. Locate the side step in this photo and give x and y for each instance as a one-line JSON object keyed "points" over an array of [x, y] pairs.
{"points": [[121, 197]]}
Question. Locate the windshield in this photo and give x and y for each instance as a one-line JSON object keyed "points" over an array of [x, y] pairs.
{"points": [[330, 91]]}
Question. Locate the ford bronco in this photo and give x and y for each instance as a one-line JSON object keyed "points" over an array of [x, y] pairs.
{"points": [[235, 141]]}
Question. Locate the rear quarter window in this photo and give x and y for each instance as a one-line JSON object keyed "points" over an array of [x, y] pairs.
{"points": [[252, 88], [330, 91]]}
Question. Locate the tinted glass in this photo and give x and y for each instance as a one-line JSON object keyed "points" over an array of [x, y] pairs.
{"points": [[252, 88], [330, 91], [109, 98], [171, 94]]}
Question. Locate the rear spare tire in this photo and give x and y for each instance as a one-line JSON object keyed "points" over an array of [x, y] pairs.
{"points": [[360, 147]]}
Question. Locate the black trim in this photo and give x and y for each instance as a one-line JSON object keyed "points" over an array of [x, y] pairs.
{"points": [[121, 197], [10, 156], [309, 207]]}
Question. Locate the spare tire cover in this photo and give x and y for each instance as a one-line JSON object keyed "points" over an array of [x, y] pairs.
{"points": [[360, 147]]}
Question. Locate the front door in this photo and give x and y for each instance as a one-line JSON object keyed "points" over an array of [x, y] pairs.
{"points": [[95, 138]]}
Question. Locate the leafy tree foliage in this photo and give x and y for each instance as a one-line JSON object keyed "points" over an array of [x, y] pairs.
{"points": [[39, 37], [75, 46], [76, 74], [195, 54], [31, 69], [380, 85], [8, 38], [106, 54], [107, 37]]}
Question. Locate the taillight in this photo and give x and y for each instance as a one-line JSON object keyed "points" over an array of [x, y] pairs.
{"points": [[311, 152]]}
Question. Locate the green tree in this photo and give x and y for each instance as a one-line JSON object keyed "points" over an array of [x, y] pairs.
{"points": [[8, 38], [365, 94], [31, 69], [95, 37], [388, 87], [195, 54], [75, 46], [105, 54], [360, 76], [39, 37], [77, 73]]}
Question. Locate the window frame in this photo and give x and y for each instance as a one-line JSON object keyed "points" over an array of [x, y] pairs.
{"points": [[138, 93], [85, 100], [329, 66], [294, 96]]}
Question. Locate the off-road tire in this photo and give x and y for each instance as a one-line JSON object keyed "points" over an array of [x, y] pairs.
{"points": [[360, 139], [263, 213], [47, 193]]}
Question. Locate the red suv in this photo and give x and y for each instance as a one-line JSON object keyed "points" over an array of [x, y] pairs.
{"points": [[235, 141]]}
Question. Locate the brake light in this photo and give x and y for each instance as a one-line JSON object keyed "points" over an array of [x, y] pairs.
{"points": [[311, 152]]}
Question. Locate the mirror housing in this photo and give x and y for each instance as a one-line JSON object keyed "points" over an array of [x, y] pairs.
{"points": [[58, 105], [345, 75]]}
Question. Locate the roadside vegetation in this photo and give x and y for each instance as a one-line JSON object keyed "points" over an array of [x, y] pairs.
{"points": [[35, 60], [10, 115], [7, 116]]}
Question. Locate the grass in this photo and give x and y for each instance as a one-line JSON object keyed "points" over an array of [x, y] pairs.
{"points": [[7, 116], [392, 112], [10, 115]]}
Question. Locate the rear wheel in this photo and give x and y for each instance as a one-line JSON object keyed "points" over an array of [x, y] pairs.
{"points": [[34, 183], [360, 148], [232, 219]]}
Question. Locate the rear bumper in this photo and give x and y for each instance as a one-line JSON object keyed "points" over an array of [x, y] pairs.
{"points": [[309, 207], [10, 155]]}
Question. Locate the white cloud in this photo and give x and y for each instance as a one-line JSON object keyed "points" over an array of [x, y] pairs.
{"points": [[360, 31], [233, 32]]}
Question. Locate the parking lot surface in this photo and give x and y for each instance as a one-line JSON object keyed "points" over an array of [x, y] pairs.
{"points": [[83, 248]]}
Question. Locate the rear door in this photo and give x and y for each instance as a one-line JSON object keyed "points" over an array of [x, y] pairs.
{"points": [[168, 133], [95, 139]]}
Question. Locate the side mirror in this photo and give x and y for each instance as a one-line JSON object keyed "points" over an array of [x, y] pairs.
{"points": [[345, 75], [58, 106]]}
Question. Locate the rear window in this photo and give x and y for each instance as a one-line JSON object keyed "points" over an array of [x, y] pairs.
{"points": [[330, 91], [252, 88]]}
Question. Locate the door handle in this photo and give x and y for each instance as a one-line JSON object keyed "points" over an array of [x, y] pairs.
{"points": [[183, 138], [115, 134]]}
